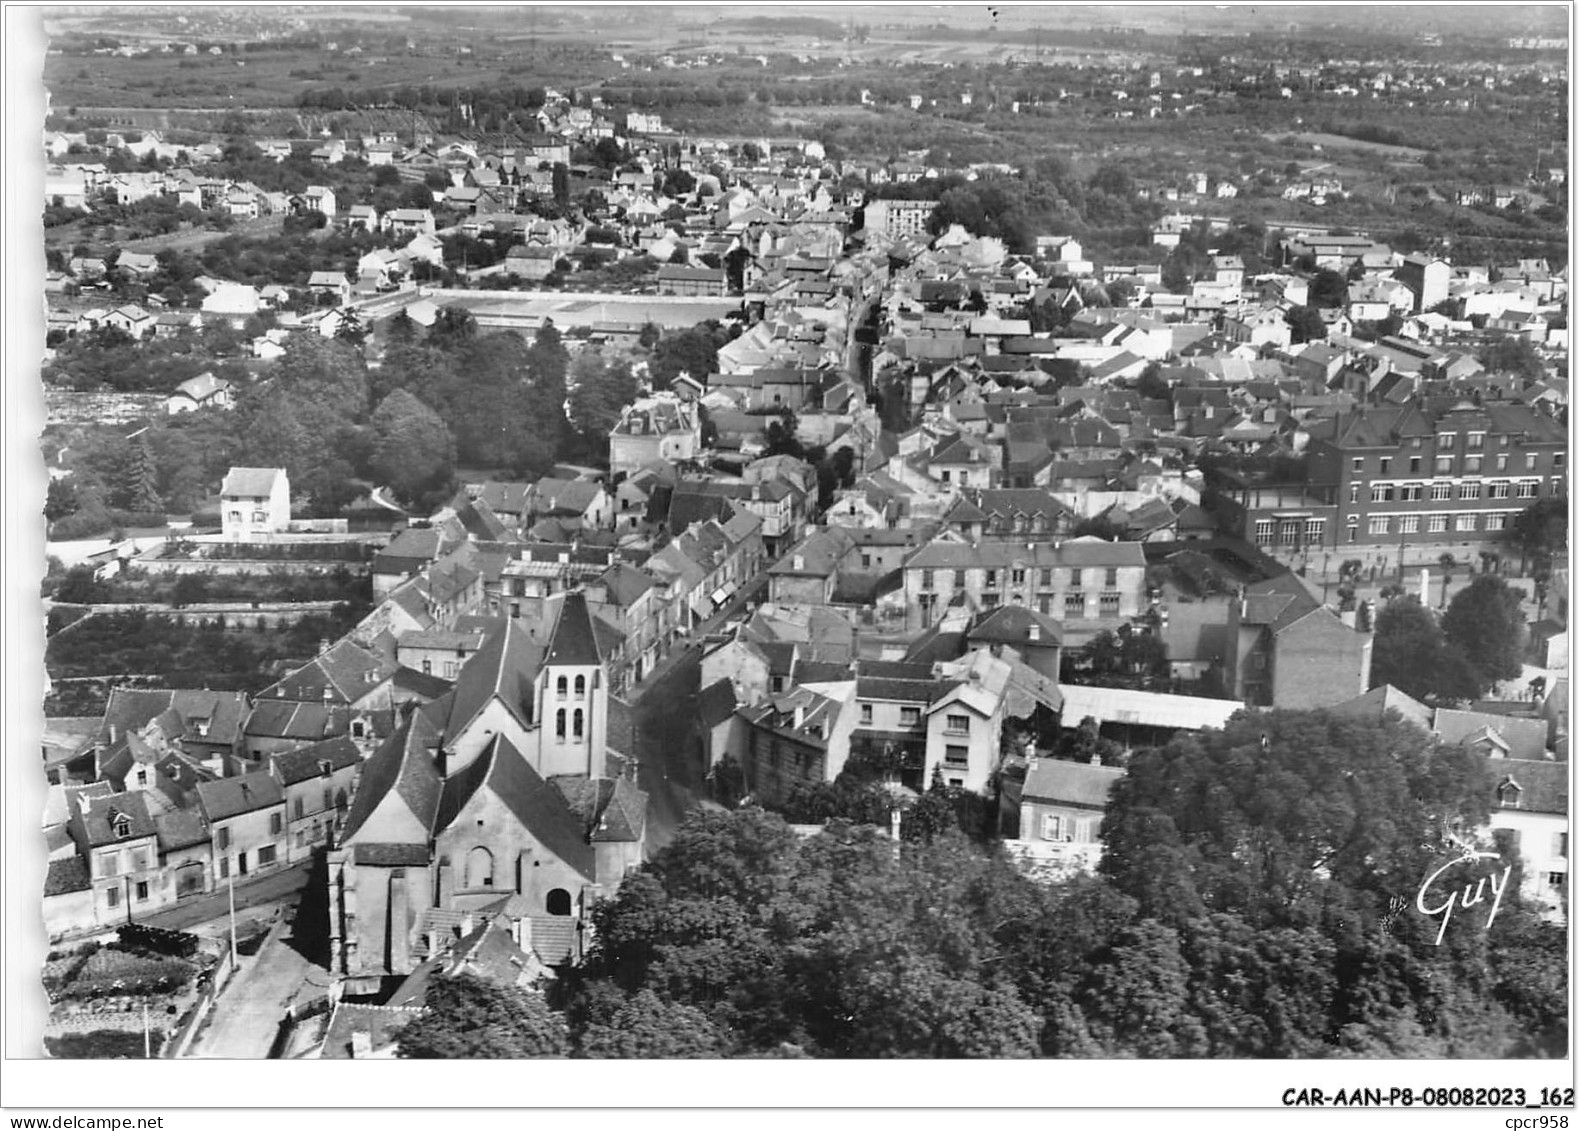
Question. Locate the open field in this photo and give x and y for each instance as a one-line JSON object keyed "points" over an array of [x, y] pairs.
{"points": [[1338, 141]]}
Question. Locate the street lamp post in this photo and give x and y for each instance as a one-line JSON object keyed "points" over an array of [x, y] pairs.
{"points": [[230, 875]]}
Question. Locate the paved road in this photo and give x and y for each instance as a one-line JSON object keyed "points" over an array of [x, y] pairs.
{"points": [[268, 889], [667, 745], [247, 1015]]}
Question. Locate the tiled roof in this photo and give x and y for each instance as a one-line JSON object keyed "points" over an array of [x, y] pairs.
{"points": [[65, 876], [402, 764], [609, 809], [1278, 601], [250, 481], [553, 939], [97, 812], [180, 828], [420, 684], [382, 1023], [1525, 738], [346, 670], [506, 666], [574, 641], [572, 495], [1012, 624], [307, 722], [230, 797], [539, 807], [299, 765], [1542, 785], [1070, 783], [1376, 702], [132, 709], [716, 702]]}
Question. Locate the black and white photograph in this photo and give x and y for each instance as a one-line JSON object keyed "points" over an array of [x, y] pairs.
{"points": [[860, 532]]}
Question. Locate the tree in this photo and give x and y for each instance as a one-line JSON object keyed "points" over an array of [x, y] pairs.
{"points": [[1409, 652], [1289, 819], [60, 500], [1513, 355], [1103, 653], [413, 451], [402, 328], [835, 944], [452, 326], [1328, 288], [678, 182], [326, 373], [599, 392], [1541, 529], [140, 486], [781, 436], [561, 184], [1486, 621], [1305, 324], [81, 587], [692, 351], [645, 1027], [350, 329], [467, 1018]]}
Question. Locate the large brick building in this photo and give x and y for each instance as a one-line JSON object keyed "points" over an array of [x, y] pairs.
{"points": [[1414, 475], [1405, 476]]}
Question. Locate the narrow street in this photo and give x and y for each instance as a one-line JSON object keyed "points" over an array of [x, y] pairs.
{"points": [[247, 1014], [281, 885], [292, 967], [671, 772], [663, 707]]}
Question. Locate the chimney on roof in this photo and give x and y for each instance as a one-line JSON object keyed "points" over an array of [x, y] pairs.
{"points": [[1034, 633], [800, 561], [323, 644], [361, 1044]]}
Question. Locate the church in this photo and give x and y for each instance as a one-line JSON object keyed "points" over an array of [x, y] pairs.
{"points": [[495, 800]]}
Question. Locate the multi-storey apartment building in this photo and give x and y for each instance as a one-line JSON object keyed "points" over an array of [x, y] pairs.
{"points": [[1086, 583], [1401, 477], [1418, 475]]}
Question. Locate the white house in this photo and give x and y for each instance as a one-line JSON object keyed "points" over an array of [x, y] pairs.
{"points": [[203, 391], [254, 502]]}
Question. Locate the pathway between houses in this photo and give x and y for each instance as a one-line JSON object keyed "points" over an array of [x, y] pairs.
{"points": [[247, 1014]]}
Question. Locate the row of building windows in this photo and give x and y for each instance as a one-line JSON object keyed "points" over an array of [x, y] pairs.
{"points": [[112, 896], [1443, 464], [1464, 522], [276, 826], [267, 855], [1074, 604], [1287, 532], [1441, 492], [562, 688], [1070, 830], [1016, 576]]}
